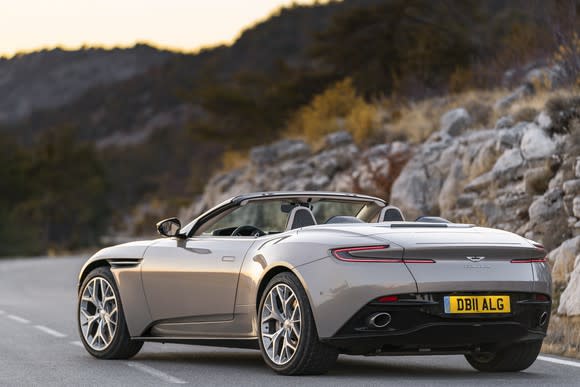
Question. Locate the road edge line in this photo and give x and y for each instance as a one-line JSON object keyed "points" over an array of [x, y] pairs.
{"points": [[559, 361]]}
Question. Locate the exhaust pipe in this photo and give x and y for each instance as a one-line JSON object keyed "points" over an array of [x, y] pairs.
{"points": [[379, 320], [543, 319]]}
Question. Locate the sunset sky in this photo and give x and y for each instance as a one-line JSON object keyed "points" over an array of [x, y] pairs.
{"points": [[27, 25]]}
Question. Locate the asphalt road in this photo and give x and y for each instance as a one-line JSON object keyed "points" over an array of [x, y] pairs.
{"points": [[39, 345]]}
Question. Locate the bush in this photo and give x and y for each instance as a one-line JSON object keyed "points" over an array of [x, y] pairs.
{"points": [[563, 111], [337, 108]]}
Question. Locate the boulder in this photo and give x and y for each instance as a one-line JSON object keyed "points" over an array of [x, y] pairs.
{"points": [[508, 164], [536, 144], [572, 187], [576, 206], [577, 167], [278, 151], [544, 121], [562, 260], [504, 122], [455, 121], [451, 189], [536, 180], [336, 139], [519, 93], [570, 297], [480, 183], [548, 218]]}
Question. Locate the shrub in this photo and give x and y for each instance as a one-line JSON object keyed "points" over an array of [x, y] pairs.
{"points": [[337, 108], [233, 159], [563, 111]]}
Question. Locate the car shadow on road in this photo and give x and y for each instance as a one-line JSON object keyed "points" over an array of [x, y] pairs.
{"points": [[346, 366]]}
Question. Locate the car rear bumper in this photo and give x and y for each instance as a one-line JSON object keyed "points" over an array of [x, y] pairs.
{"points": [[421, 327]]}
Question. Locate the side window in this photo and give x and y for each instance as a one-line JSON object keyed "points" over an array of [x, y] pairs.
{"points": [[265, 215]]}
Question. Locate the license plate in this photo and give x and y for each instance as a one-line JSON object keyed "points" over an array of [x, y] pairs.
{"points": [[477, 304]]}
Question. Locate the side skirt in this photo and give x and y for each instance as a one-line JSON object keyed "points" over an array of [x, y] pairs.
{"points": [[242, 343]]}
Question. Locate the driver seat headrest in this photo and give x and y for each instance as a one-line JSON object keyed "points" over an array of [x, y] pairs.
{"points": [[300, 217], [391, 214]]}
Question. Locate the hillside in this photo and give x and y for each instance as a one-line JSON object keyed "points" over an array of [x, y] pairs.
{"points": [[520, 173], [51, 79], [124, 132]]}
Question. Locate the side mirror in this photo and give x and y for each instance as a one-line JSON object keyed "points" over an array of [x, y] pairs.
{"points": [[169, 227]]}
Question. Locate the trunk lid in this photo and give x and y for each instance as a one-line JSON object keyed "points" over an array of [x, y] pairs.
{"points": [[466, 258]]}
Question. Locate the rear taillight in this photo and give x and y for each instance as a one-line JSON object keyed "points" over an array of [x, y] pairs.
{"points": [[363, 254], [535, 260], [371, 254], [387, 299], [541, 297]]}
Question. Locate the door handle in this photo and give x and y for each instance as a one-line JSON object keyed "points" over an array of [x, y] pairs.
{"points": [[228, 258]]}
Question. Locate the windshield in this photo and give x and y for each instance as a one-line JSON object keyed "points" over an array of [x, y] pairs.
{"points": [[271, 216]]}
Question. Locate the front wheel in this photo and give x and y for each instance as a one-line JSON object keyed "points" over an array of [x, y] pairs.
{"points": [[101, 321], [515, 358], [288, 337]]}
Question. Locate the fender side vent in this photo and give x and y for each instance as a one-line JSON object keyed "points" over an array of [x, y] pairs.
{"points": [[124, 262]]}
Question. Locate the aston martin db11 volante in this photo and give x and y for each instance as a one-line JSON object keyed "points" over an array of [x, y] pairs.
{"points": [[306, 276]]}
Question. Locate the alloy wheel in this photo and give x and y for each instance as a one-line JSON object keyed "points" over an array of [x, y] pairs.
{"points": [[98, 313], [281, 324]]}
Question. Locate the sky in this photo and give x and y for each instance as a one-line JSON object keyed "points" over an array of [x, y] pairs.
{"points": [[186, 25]]}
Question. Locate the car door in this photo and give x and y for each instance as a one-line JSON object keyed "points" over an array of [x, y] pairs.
{"points": [[193, 279]]}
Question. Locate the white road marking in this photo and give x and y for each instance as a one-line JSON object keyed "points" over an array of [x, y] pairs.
{"points": [[155, 372], [560, 361], [49, 331], [77, 343], [18, 319]]}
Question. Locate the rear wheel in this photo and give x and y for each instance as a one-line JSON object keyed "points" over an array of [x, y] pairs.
{"points": [[288, 337], [100, 317], [517, 357]]}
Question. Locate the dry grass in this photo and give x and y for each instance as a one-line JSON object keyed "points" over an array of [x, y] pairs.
{"points": [[539, 99], [416, 121], [233, 159], [337, 108], [563, 336]]}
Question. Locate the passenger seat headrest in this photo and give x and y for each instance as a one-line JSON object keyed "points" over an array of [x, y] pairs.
{"points": [[391, 214], [300, 217]]}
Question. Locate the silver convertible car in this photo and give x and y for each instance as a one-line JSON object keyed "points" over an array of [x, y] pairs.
{"points": [[306, 276]]}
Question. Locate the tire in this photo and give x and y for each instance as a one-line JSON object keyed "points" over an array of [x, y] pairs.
{"points": [[96, 336], [310, 356], [515, 358]]}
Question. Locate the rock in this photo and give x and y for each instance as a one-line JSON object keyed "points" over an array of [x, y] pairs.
{"points": [[451, 189], [536, 144], [336, 139], [455, 121], [572, 187], [508, 163], [504, 122], [536, 180], [570, 297], [484, 160], [547, 76], [548, 217], [480, 183], [291, 149], [577, 167], [576, 206], [519, 93], [511, 137], [546, 207], [544, 121], [562, 259], [281, 150]]}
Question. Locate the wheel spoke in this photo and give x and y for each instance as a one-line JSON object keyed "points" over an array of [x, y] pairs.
{"points": [[98, 313], [280, 324]]}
